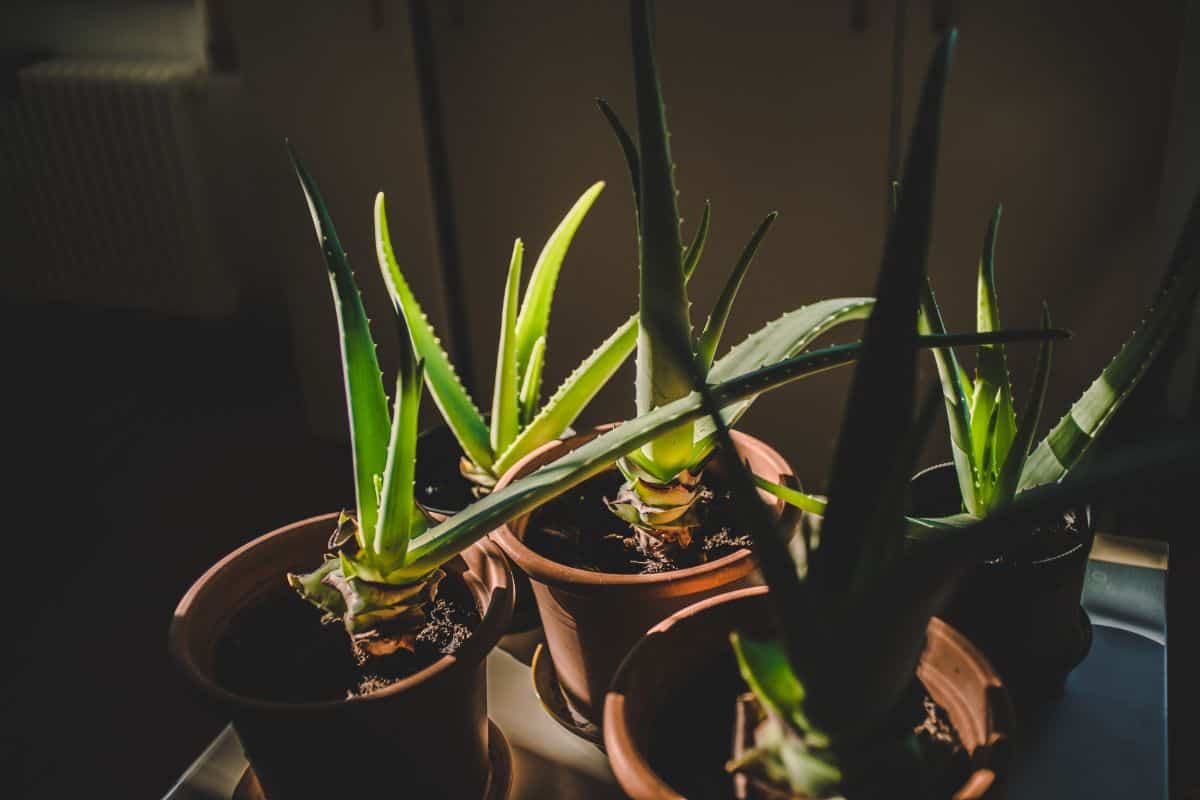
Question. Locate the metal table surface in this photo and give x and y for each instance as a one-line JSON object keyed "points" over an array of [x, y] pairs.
{"points": [[1106, 738]]}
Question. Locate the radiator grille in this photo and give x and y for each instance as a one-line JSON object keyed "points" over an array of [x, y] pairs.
{"points": [[105, 187]]}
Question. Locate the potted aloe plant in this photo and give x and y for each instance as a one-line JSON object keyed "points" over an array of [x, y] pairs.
{"points": [[1021, 606], [634, 545], [838, 680]]}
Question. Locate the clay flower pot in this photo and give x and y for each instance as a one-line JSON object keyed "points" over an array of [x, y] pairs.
{"points": [[424, 736], [591, 619], [1022, 610], [648, 709]]}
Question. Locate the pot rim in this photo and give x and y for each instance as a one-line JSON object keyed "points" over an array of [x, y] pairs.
{"points": [[1073, 550], [492, 624], [638, 775], [550, 572]]}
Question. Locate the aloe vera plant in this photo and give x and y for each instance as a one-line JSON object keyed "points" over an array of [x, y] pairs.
{"points": [[662, 495], [836, 683], [517, 425]]}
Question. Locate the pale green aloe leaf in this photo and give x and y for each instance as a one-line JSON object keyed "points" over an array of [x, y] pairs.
{"points": [[448, 538], [629, 150], [781, 338], [531, 381], [765, 668], [456, 406], [993, 386], [399, 518], [795, 497], [696, 248], [664, 329], [957, 388], [534, 319], [572, 396], [505, 411], [366, 401], [710, 337], [1010, 471], [1070, 439]]}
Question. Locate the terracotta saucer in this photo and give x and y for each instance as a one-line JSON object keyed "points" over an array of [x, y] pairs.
{"points": [[555, 702], [499, 753]]}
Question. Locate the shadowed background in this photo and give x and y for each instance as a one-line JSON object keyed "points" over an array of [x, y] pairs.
{"points": [[174, 368]]}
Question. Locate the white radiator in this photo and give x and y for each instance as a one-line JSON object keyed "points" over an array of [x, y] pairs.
{"points": [[104, 189]]}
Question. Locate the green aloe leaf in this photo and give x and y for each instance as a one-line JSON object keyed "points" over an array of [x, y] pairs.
{"points": [[956, 389], [781, 338], [1070, 439], [444, 540], [710, 337], [572, 396], [1010, 471], [366, 401], [664, 329], [531, 382], [795, 497], [993, 386], [765, 668], [534, 319], [505, 419], [449, 394], [696, 248], [399, 518], [629, 150], [881, 400]]}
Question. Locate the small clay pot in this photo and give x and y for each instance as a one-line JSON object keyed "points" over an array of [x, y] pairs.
{"points": [[1023, 609], [696, 640], [424, 736], [591, 619]]}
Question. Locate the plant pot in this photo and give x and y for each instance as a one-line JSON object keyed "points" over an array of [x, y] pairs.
{"points": [[426, 735], [648, 702], [1022, 609], [591, 619]]}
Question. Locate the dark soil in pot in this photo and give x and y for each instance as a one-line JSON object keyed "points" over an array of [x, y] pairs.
{"points": [[1022, 607], [579, 531], [440, 485], [280, 650]]}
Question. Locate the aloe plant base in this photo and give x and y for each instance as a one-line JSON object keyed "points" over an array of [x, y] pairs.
{"points": [[645, 694], [1023, 611], [427, 734], [591, 619]]}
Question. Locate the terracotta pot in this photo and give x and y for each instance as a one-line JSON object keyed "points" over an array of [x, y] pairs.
{"points": [[1022, 610], [647, 690], [426, 735], [591, 619]]}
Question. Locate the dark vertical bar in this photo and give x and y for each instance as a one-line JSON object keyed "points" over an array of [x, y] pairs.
{"points": [[896, 120], [441, 190]]}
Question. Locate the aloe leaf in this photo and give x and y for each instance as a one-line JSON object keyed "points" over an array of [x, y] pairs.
{"points": [[1010, 472], [398, 515], [696, 248], [366, 401], [801, 500], [572, 396], [956, 389], [1070, 439], [664, 330], [534, 319], [629, 150], [531, 381], [765, 668], [781, 338], [449, 394], [710, 337], [446, 539], [993, 386], [505, 421], [868, 448]]}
